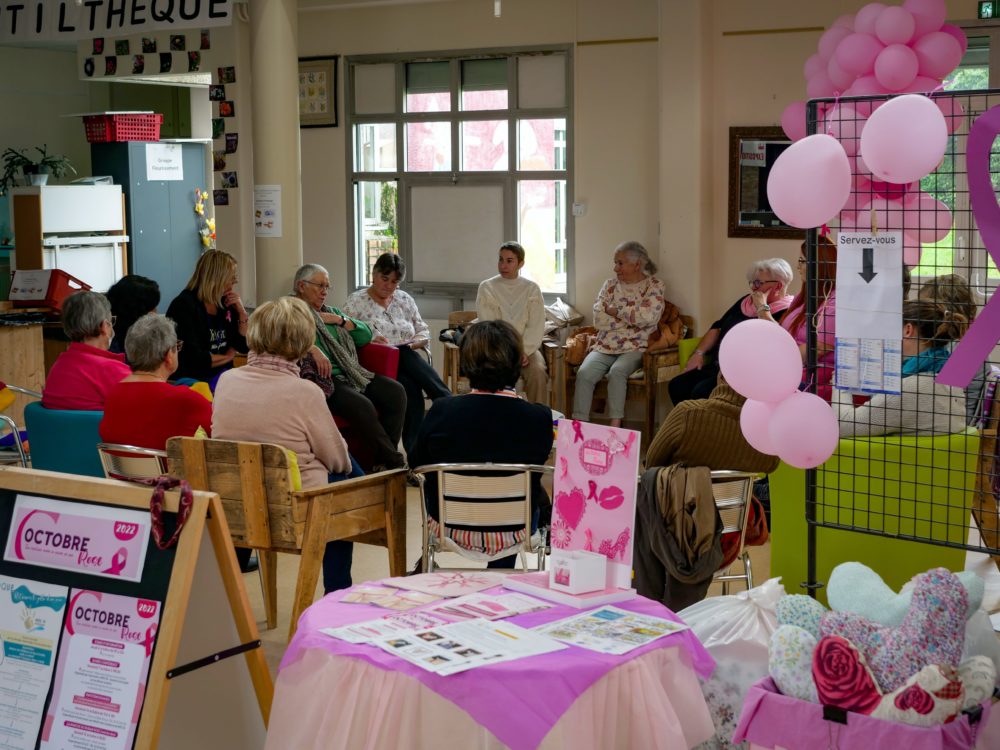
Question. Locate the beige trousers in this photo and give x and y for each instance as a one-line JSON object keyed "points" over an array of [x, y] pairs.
{"points": [[536, 379]]}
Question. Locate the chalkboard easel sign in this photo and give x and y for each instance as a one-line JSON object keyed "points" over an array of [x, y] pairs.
{"points": [[98, 624]]}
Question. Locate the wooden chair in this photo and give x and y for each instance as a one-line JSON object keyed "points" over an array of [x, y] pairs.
{"points": [[266, 514], [130, 462], [658, 368], [732, 491], [456, 318], [984, 504]]}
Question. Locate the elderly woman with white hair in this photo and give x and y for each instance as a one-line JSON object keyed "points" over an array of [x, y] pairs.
{"points": [[767, 299], [144, 409], [626, 312]]}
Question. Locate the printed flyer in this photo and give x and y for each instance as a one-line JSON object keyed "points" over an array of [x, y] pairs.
{"points": [[31, 616], [610, 630], [93, 539], [101, 672]]}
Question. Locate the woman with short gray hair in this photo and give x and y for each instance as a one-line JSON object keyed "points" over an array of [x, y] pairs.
{"points": [[82, 375], [144, 409], [767, 299]]}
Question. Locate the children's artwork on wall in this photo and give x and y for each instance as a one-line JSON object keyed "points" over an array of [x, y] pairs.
{"points": [[178, 43], [110, 66], [218, 127], [194, 61], [166, 62], [594, 493], [121, 47], [218, 161], [229, 180], [220, 197], [88, 67], [232, 139], [138, 64], [216, 93], [227, 109], [148, 45], [206, 39], [227, 75], [98, 46]]}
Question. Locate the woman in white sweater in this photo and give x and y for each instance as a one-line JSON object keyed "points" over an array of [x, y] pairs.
{"points": [[510, 297], [923, 406]]}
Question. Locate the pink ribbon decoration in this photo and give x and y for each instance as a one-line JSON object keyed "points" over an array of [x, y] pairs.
{"points": [[593, 489], [117, 562], [577, 431], [150, 639], [974, 348], [629, 442], [564, 467]]}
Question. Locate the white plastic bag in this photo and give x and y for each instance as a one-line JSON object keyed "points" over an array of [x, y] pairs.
{"points": [[736, 631]]}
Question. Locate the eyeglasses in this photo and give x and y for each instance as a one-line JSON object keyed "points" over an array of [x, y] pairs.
{"points": [[757, 283], [324, 287], [178, 346], [112, 320], [801, 261]]}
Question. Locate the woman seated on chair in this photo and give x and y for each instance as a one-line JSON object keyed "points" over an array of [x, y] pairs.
{"points": [[143, 409], [394, 318], [923, 406], [131, 297], [373, 404], [267, 402], [210, 317], [626, 312], [769, 279], [82, 376], [490, 423]]}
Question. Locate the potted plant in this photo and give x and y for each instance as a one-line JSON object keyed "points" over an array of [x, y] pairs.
{"points": [[35, 168]]}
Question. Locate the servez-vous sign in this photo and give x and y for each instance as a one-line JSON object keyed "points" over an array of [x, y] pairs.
{"points": [[45, 20]]}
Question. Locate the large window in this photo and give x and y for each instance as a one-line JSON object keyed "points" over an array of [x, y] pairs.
{"points": [[452, 134]]}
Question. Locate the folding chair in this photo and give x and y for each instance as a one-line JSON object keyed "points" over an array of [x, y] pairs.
{"points": [[481, 497], [733, 491], [130, 462]]}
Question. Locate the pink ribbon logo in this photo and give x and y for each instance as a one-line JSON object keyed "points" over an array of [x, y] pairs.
{"points": [[577, 431], [983, 334], [117, 562], [150, 639]]}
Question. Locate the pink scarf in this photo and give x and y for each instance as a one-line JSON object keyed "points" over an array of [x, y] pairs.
{"points": [[750, 309], [272, 362]]}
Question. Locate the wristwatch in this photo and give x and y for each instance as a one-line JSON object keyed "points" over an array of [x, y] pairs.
{"points": [[763, 308], [343, 321]]}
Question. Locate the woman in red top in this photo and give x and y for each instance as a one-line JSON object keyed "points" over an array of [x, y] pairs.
{"points": [[144, 410]]}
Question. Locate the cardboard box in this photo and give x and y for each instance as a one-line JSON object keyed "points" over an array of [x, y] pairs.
{"points": [[33, 288], [577, 571]]}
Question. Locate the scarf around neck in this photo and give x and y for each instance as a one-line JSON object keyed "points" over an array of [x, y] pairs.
{"points": [[748, 308], [345, 354], [929, 360], [272, 362]]}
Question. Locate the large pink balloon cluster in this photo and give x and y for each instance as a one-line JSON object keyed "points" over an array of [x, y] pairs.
{"points": [[761, 361], [888, 146]]}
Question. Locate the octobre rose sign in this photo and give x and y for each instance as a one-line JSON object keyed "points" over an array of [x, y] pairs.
{"points": [[92, 539]]}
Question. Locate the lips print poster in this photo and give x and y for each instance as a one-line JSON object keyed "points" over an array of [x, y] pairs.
{"points": [[594, 493]]}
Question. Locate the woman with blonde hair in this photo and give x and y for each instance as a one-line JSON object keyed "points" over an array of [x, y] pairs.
{"points": [[267, 402], [210, 317]]}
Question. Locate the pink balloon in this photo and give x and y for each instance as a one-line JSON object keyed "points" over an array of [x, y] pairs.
{"points": [[838, 76], [959, 35], [896, 67], [888, 214], [894, 192], [804, 430], [793, 121], [928, 14], [895, 25], [857, 52], [815, 64], [911, 250], [846, 20], [924, 85], [847, 221], [809, 183], [864, 19], [953, 111], [844, 123], [820, 86], [938, 54], [928, 219], [754, 419], [767, 378], [859, 168], [830, 39], [905, 139]]}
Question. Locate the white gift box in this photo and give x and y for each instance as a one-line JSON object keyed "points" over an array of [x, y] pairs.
{"points": [[577, 572]]}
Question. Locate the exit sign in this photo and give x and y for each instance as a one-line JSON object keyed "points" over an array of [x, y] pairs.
{"points": [[987, 9]]}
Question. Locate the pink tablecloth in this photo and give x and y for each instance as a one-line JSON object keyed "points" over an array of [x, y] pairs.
{"points": [[537, 691]]}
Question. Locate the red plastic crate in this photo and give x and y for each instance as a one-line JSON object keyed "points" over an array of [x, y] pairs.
{"points": [[48, 288], [112, 128]]}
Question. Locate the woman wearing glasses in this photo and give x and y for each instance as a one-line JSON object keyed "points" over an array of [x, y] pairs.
{"points": [[144, 409], [210, 318], [768, 280], [373, 404]]}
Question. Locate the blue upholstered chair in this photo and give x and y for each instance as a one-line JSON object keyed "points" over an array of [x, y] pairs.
{"points": [[64, 440]]}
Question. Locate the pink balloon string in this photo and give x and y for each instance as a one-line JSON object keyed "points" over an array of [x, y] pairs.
{"points": [[833, 111], [983, 334]]}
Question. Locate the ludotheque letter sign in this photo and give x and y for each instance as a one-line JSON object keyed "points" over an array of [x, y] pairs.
{"points": [[46, 20], [100, 541]]}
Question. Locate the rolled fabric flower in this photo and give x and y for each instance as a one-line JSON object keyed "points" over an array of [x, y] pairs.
{"points": [[915, 698], [842, 678]]}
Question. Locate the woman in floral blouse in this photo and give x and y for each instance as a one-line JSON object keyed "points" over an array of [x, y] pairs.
{"points": [[626, 312], [394, 319]]}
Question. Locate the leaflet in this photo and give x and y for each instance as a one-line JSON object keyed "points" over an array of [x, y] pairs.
{"points": [[610, 630], [101, 673], [453, 583], [366, 632], [31, 615], [460, 646], [487, 607]]}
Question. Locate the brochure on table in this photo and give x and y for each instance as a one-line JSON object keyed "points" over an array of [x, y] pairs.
{"points": [[101, 672], [31, 615], [610, 630], [595, 488], [450, 583], [449, 649]]}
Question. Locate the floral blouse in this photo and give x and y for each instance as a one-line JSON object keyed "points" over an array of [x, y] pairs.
{"points": [[400, 322], [639, 307]]}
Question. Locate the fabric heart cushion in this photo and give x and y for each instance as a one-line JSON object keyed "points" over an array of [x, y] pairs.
{"points": [[856, 588], [801, 610], [934, 695], [979, 677], [932, 631], [842, 677], [790, 657]]}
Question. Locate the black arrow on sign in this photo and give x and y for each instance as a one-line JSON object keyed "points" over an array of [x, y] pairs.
{"points": [[867, 261]]}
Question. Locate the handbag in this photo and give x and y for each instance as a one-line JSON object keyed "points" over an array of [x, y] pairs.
{"points": [[579, 344], [308, 371]]}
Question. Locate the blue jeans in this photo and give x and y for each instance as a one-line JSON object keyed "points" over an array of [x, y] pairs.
{"points": [[338, 555]]}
